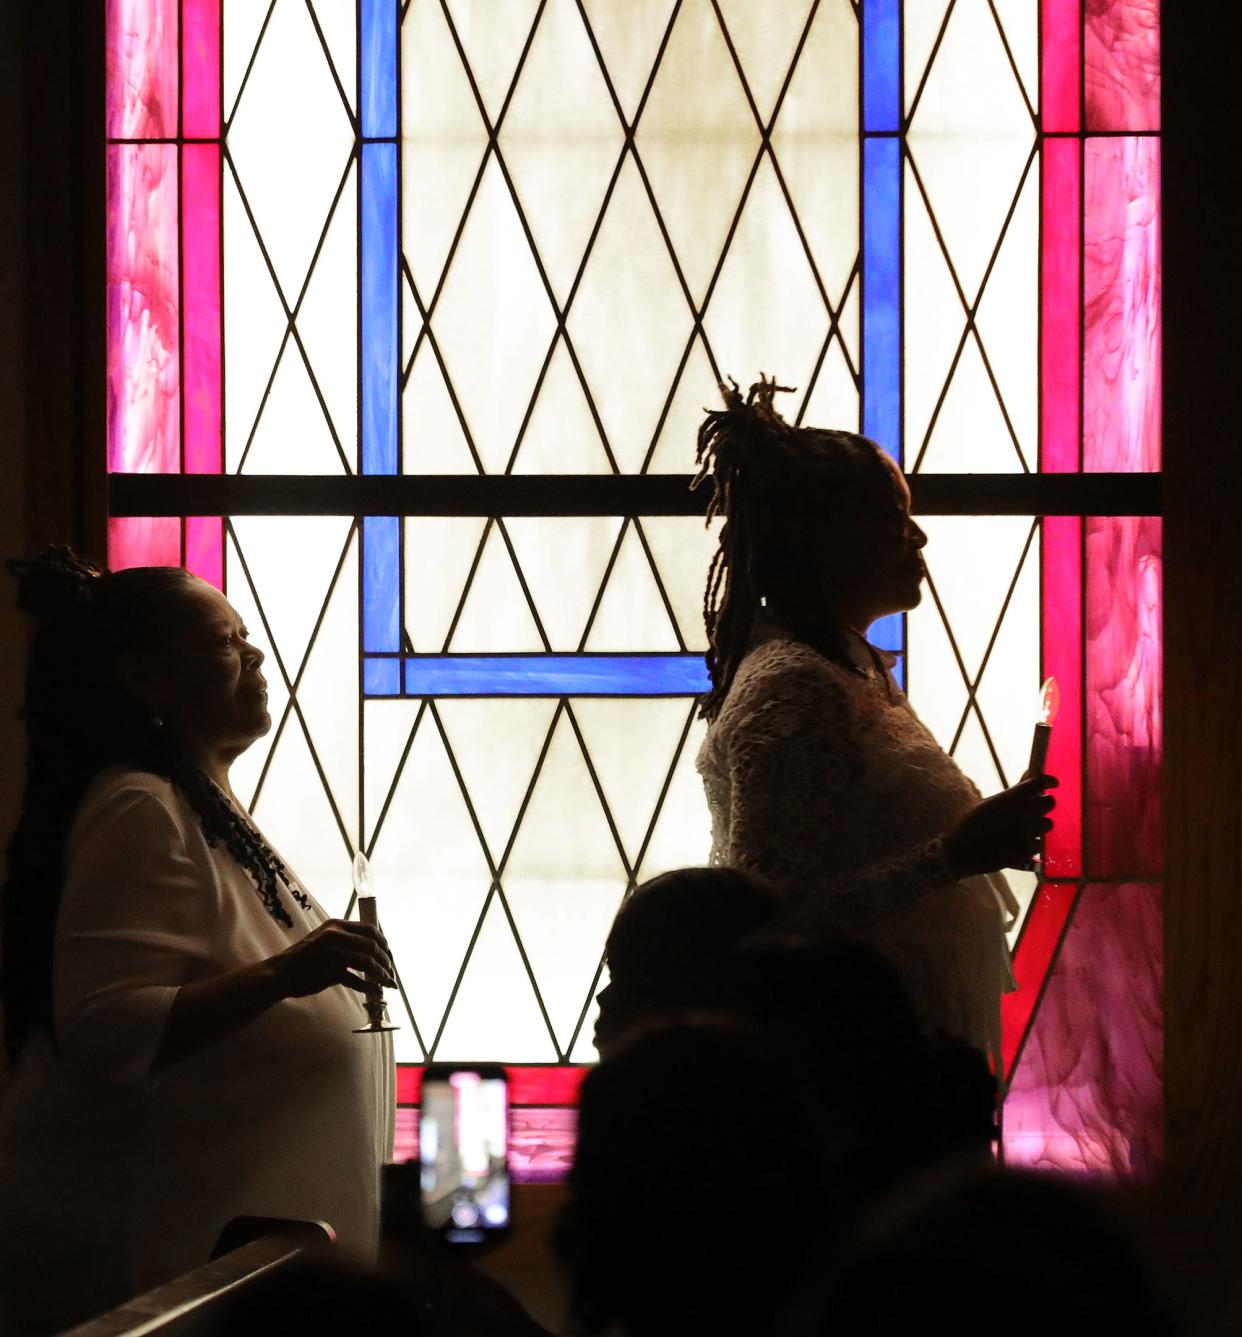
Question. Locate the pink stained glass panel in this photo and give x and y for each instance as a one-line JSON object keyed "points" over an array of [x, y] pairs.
{"points": [[1088, 1091], [1061, 65], [1121, 64], [200, 69], [1045, 922], [141, 96], [541, 1142], [204, 548], [1124, 718], [1060, 306], [1061, 552], [200, 249], [143, 541], [1121, 304], [144, 383]]}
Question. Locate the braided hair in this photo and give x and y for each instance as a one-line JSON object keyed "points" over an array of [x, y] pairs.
{"points": [[79, 720], [772, 482]]}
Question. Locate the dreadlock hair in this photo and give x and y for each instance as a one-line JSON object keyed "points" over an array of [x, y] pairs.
{"points": [[772, 481], [79, 720]]}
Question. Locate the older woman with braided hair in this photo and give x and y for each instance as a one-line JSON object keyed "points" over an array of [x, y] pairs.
{"points": [[179, 1012], [819, 776]]}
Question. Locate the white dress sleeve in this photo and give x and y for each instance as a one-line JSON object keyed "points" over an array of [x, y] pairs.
{"points": [[794, 758], [136, 922]]}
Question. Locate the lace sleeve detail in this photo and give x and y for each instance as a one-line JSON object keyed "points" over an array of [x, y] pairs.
{"points": [[795, 768]]}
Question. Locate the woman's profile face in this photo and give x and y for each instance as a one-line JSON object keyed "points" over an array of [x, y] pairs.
{"points": [[204, 677]]}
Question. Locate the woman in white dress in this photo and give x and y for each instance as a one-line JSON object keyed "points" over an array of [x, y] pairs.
{"points": [[181, 1045], [818, 774]]}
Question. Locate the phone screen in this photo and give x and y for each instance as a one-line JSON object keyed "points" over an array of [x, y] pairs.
{"points": [[463, 1151]]}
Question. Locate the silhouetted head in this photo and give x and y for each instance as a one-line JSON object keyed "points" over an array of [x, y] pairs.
{"points": [[668, 940], [817, 528], [698, 1184]]}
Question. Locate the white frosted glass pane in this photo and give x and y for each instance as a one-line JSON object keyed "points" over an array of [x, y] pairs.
{"points": [[816, 140], [629, 322], [495, 616], [439, 551], [1024, 886], [290, 142], [934, 320], [920, 25], [561, 139], [411, 321], [294, 814], [970, 434], [973, 756], [849, 326], [683, 547], [765, 38], [242, 23], [584, 1048], [495, 1015], [1020, 23], [291, 561], [696, 391], [254, 325], [629, 38], [631, 614], [496, 744], [338, 21], [493, 36], [564, 881], [698, 140], [432, 441], [1010, 683], [1008, 320], [834, 401], [430, 878], [935, 685], [632, 745], [683, 831], [494, 322], [387, 727], [443, 141], [766, 313], [292, 435], [561, 436], [247, 769], [328, 322], [328, 689], [970, 137], [563, 560], [973, 560]]}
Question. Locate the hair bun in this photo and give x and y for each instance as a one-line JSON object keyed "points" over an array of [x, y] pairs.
{"points": [[55, 584]]}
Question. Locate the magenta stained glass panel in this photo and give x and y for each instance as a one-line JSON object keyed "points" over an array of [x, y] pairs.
{"points": [[1121, 304], [1088, 1091], [142, 69], [1061, 72], [1124, 727], [1121, 64]]}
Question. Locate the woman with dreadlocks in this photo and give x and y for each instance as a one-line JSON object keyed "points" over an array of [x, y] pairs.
{"points": [[182, 1050], [818, 774]]}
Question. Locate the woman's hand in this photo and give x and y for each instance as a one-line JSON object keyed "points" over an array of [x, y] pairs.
{"points": [[331, 954], [1002, 831]]}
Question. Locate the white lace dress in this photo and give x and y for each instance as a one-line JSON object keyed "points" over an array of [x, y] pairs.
{"points": [[824, 780]]}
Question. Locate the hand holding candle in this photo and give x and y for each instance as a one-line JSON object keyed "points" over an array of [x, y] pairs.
{"points": [[1049, 704], [364, 893]]}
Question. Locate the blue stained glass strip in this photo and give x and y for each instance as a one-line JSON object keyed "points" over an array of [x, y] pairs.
{"points": [[379, 351], [889, 633], [381, 677], [881, 359], [381, 590], [556, 675], [881, 52], [378, 60]]}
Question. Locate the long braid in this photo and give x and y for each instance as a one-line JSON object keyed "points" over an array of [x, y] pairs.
{"points": [[766, 473], [78, 721]]}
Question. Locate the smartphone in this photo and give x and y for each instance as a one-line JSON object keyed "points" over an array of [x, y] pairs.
{"points": [[463, 1152]]}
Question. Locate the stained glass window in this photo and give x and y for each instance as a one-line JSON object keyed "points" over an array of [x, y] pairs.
{"points": [[413, 310]]}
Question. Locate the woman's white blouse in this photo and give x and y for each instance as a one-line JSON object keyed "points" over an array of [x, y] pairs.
{"points": [[289, 1116], [822, 778]]}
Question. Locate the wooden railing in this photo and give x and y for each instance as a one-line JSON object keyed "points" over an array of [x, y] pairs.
{"points": [[189, 1305]]}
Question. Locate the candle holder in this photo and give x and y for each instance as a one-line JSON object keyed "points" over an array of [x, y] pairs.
{"points": [[368, 913]]}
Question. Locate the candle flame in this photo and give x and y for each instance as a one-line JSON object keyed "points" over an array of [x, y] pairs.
{"points": [[362, 876], [1049, 701]]}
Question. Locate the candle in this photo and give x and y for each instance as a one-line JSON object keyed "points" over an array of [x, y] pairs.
{"points": [[368, 913], [1049, 704]]}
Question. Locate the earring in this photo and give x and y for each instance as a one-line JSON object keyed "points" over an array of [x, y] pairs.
{"points": [[156, 722]]}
